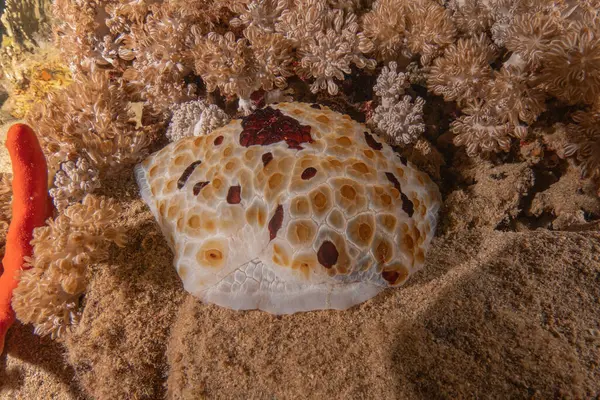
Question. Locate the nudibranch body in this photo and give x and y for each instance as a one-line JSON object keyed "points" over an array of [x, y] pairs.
{"points": [[293, 208]]}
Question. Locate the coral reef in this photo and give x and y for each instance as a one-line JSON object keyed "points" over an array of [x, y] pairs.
{"points": [[49, 292], [90, 118]]}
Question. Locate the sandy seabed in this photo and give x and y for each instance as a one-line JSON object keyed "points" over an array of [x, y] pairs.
{"points": [[494, 314]]}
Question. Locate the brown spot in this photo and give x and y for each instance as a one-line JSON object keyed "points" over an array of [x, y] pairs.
{"points": [[275, 181], [364, 232], [395, 274], [316, 106], [308, 173], [420, 256], [408, 242], [266, 158], [369, 153], [217, 183], [372, 142], [327, 254], [198, 187], [194, 222], [276, 222], [153, 170], [361, 167], [407, 205], [186, 174], [179, 160], [344, 141], [198, 141], [320, 200], [267, 126], [383, 252], [348, 192], [219, 140], [234, 194]]}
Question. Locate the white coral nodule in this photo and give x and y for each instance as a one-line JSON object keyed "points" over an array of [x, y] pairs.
{"points": [[401, 122], [72, 182], [390, 84], [195, 118]]}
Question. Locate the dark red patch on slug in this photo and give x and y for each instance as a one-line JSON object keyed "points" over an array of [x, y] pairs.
{"points": [[308, 173], [267, 126], [234, 196], [218, 141], [266, 158], [390, 276], [186, 174], [372, 142], [315, 105], [276, 222], [327, 254], [407, 205], [198, 187]]}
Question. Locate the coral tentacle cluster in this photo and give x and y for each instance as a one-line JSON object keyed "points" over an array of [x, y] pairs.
{"points": [[292, 208], [31, 206]]}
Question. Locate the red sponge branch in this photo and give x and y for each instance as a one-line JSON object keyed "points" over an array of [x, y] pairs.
{"points": [[31, 206]]}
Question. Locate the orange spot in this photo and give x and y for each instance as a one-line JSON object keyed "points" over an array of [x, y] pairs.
{"points": [[45, 75], [323, 119]]}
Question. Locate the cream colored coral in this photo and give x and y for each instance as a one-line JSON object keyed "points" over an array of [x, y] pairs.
{"points": [[480, 130], [72, 182], [430, 29], [471, 16], [384, 30], [159, 47], [90, 118], [227, 63], [570, 67], [5, 208], [328, 43], [584, 142], [48, 294], [261, 14], [513, 94], [463, 71]]}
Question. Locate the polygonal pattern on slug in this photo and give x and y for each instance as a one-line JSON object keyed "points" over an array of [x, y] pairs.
{"points": [[292, 208]]}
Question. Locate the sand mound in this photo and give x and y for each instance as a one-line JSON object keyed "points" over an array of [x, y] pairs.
{"points": [[494, 315]]}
